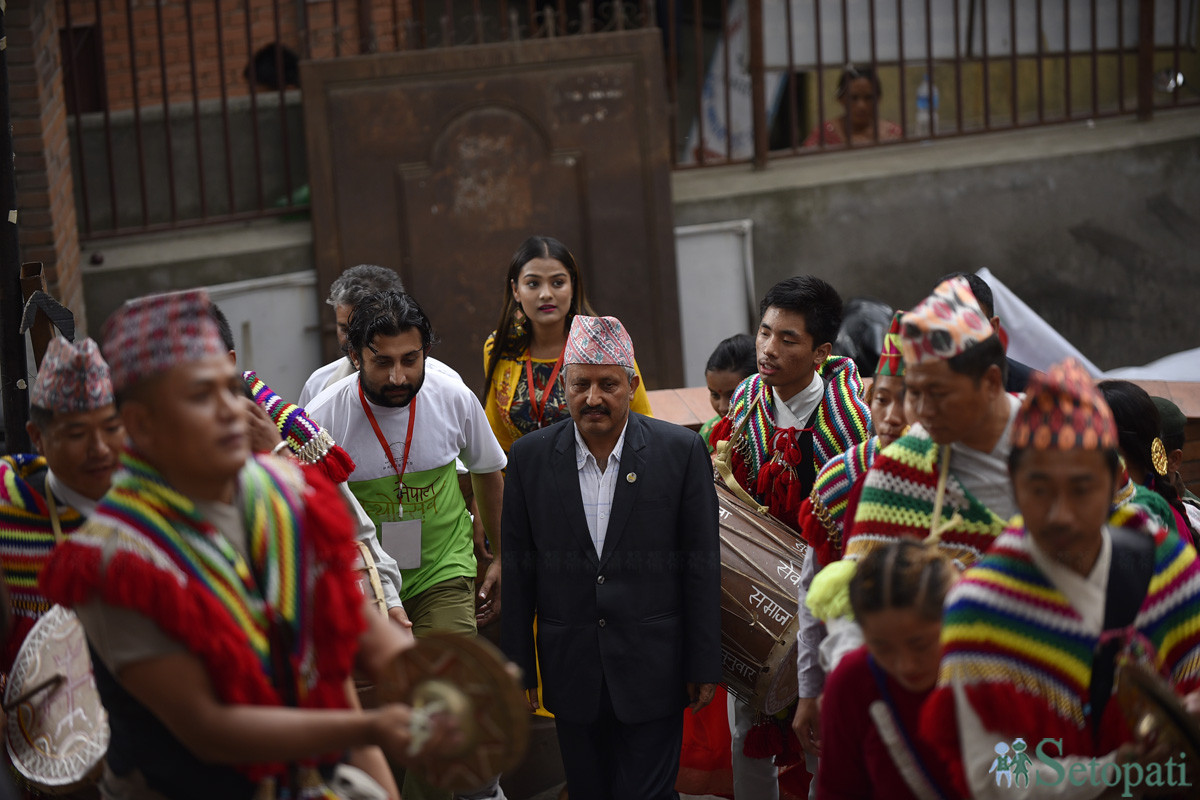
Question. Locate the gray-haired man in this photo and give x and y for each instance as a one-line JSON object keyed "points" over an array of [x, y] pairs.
{"points": [[345, 293]]}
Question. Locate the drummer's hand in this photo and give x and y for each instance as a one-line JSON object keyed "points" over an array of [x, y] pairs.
{"points": [[392, 724], [531, 696], [701, 694], [487, 601], [807, 725]]}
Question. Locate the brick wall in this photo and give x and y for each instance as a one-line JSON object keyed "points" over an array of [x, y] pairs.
{"points": [[46, 221], [224, 34]]}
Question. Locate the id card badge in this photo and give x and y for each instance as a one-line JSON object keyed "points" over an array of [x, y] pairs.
{"points": [[402, 541]]}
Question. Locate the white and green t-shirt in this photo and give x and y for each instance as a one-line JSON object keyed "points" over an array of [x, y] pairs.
{"points": [[450, 424]]}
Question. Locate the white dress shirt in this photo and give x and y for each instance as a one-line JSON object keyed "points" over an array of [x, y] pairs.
{"points": [[67, 496], [598, 486], [795, 411]]}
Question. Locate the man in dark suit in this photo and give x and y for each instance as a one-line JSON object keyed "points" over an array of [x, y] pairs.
{"points": [[609, 533]]}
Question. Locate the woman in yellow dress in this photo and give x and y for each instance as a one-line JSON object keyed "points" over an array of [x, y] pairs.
{"points": [[522, 358]]}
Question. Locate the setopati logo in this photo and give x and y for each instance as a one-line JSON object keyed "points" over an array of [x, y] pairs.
{"points": [[1016, 768]]}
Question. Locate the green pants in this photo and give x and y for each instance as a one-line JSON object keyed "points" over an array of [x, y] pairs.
{"points": [[446, 607]]}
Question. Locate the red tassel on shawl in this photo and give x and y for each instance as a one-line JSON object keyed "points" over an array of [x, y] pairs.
{"points": [[336, 465], [737, 463], [720, 432], [763, 740], [337, 600], [778, 484], [1010, 712], [792, 753]]}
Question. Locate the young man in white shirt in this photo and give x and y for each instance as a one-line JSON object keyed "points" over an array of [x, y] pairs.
{"points": [[405, 427]]}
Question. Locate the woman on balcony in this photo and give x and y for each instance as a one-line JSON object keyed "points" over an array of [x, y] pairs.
{"points": [[858, 91]]}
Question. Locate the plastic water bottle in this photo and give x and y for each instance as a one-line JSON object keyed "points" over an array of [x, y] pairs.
{"points": [[927, 108]]}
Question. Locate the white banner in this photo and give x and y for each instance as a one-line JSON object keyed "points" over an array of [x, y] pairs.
{"points": [[732, 135]]}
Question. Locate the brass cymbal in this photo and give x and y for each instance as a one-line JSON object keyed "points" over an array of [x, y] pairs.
{"points": [[469, 678], [1155, 713]]}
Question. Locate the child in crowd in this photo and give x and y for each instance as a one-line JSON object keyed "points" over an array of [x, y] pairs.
{"points": [[872, 700], [731, 362]]}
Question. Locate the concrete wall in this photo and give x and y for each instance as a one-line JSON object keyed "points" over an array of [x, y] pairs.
{"points": [[1097, 227]]}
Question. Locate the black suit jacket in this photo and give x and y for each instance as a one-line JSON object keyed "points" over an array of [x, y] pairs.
{"points": [[644, 616]]}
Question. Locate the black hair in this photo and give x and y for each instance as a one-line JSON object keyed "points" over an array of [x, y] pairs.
{"points": [[1138, 425], [979, 288], [387, 313], [349, 288], [218, 316], [1173, 423], [735, 354], [814, 299], [902, 574], [852, 73], [976, 360], [512, 337], [41, 417]]}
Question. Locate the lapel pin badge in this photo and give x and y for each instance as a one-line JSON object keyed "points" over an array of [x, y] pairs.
{"points": [[631, 477]]}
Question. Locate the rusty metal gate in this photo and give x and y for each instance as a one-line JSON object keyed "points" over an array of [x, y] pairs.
{"points": [[441, 163]]}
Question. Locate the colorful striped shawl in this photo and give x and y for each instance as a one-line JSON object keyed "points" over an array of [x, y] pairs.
{"points": [[26, 541], [843, 420], [827, 503], [147, 548], [1022, 653], [898, 499]]}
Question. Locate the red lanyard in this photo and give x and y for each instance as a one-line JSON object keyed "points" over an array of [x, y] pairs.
{"points": [[412, 415], [538, 410]]}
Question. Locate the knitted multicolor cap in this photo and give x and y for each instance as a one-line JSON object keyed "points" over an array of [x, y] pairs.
{"points": [[1063, 410], [73, 377], [891, 359], [151, 334], [598, 340], [311, 443], [943, 325]]}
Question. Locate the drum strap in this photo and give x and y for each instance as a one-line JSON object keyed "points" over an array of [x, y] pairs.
{"points": [[899, 743], [372, 570], [721, 463], [52, 507], [1128, 580]]}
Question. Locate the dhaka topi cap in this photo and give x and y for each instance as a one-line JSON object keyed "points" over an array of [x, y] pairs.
{"points": [[598, 340], [1063, 410], [943, 325], [73, 377], [151, 334], [891, 358]]}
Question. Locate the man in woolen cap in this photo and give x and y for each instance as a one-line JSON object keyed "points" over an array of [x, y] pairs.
{"points": [[217, 590], [44, 497]]}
